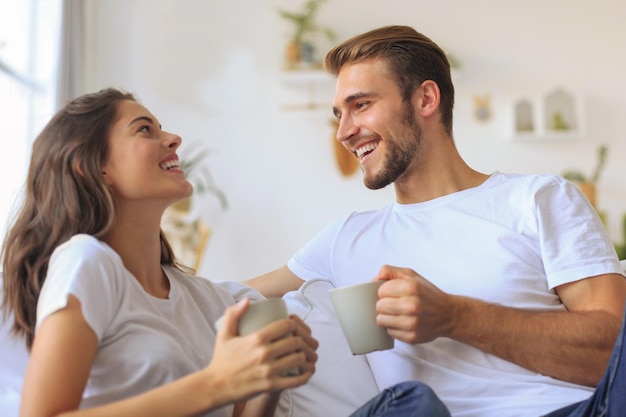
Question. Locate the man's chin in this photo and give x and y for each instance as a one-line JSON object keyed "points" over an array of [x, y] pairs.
{"points": [[375, 183]]}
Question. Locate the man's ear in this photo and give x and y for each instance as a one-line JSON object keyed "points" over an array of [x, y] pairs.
{"points": [[427, 98]]}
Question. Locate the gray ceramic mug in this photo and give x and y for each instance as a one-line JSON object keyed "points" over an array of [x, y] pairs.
{"points": [[356, 310], [258, 315]]}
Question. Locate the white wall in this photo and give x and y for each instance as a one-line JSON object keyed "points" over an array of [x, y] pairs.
{"points": [[211, 71]]}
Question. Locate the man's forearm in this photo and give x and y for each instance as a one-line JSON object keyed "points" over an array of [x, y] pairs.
{"points": [[570, 346], [275, 283]]}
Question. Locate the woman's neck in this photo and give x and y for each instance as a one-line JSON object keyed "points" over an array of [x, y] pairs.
{"points": [[138, 244]]}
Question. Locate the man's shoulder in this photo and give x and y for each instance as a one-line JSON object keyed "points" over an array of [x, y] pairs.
{"points": [[361, 215], [536, 179], [529, 183]]}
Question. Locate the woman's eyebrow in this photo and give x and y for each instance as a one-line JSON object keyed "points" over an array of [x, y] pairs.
{"points": [[137, 119]]}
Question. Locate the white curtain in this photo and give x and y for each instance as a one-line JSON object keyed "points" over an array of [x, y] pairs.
{"points": [[71, 66]]}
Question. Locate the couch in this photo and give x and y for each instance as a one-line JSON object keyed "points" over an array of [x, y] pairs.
{"points": [[13, 359]]}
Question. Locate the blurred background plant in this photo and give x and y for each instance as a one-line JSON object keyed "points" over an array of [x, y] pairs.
{"points": [[588, 184], [198, 173], [577, 176], [301, 47], [186, 231]]}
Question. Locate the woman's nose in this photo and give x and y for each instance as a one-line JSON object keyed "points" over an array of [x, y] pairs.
{"points": [[173, 141]]}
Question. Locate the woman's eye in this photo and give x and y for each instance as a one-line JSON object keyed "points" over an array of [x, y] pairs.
{"points": [[145, 129]]}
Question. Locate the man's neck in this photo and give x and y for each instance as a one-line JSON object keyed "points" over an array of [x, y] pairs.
{"points": [[439, 172]]}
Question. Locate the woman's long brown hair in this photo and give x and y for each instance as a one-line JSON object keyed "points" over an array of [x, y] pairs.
{"points": [[65, 195]]}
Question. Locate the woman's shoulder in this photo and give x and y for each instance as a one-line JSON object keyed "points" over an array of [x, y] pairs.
{"points": [[82, 246], [198, 287], [84, 257], [91, 271]]}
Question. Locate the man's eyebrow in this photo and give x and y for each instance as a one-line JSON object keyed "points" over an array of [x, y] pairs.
{"points": [[351, 98]]}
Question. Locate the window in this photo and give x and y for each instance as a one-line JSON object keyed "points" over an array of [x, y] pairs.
{"points": [[28, 50]]}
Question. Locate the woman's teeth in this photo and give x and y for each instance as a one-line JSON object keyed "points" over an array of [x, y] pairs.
{"points": [[172, 163]]}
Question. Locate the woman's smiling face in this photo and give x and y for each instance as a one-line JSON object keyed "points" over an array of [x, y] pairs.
{"points": [[142, 163]]}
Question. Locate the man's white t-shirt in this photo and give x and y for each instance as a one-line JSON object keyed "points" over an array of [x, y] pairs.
{"points": [[143, 341], [510, 241]]}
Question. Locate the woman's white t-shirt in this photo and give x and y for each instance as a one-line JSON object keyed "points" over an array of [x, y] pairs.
{"points": [[143, 341]]}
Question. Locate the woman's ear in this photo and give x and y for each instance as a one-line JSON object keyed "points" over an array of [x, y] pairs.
{"points": [[106, 178], [103, 171], [77, 168], [427, 98]]}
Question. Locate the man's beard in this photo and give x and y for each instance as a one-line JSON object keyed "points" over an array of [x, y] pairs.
{"points": [[400, 152]]}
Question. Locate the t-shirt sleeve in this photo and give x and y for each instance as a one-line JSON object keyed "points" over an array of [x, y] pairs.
{"points": [[314, 259], [574, 242], [84, 268], [238, 290]]}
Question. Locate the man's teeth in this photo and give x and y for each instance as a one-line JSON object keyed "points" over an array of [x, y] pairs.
{"points": [[366, 148], [172, 163]]}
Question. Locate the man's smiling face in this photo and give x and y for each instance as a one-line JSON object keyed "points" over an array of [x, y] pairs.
{"points": [[375, 123]]}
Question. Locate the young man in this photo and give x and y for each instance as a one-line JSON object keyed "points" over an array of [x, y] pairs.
{"points": [[503, 292]]}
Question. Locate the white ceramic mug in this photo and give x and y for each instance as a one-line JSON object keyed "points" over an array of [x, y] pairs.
{"points": [[258, 315], [356, 310], [261, 313]]}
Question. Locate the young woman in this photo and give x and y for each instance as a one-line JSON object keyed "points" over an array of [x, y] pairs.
{"points": [[115, 326]]}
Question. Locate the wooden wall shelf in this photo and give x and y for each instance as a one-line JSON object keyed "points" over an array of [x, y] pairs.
{"points": [[555, 115]]}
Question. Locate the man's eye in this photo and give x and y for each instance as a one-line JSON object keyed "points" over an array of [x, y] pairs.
{"points": [[361, 104]]}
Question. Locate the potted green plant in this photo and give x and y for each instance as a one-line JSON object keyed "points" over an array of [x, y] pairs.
{"points": [[300, 48], [199, 175], [588, 184], [188, 235]]}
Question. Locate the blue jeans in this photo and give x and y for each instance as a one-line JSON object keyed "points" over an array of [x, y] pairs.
{"points": [[417, 399], [609, 398], [407, 399]]}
